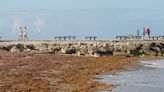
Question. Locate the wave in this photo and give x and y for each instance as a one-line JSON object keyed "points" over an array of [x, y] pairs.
{"points": [[154, 64]]}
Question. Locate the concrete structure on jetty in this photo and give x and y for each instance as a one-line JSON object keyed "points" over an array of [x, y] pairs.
{"points": [[88, 48]]}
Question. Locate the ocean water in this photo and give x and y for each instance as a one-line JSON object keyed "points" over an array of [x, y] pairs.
{"points": [[147, 79]]}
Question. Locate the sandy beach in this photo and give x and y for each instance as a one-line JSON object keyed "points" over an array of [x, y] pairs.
{"points": [[47, 72]]}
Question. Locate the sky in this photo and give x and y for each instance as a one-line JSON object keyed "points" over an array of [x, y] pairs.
{"points": [[103, 18], [78, 4]]}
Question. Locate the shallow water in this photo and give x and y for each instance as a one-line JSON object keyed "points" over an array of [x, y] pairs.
{"points": [[147, 79]]}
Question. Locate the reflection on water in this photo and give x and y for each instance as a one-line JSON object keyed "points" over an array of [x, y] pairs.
{"points": [[144, 80]]}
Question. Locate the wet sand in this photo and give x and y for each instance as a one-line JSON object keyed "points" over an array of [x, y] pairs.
{"points": [[147, 78], [47, 72]]}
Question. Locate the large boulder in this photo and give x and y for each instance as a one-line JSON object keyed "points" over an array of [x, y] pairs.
{"points": [[20, 47], [42, 47], [120, 47], [14, 49], [56, 48], [82, 50], [92, 49], [131, 46], [149, 52], [68, 50], [27, 50], [119, 53], [8, 48], [135, 51], [148, 49], [96, 54], [31, 47], [105, 53], [1, 47]]}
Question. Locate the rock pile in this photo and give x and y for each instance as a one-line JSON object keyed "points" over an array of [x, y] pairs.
{"points": [[95, 49]]}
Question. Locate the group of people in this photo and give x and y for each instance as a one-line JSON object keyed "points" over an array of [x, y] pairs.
{"points": [[146, 31], [23, 34]]}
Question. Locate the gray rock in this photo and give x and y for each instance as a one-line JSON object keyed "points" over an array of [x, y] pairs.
{"points": [[149, 52], [96, 55], [68, 51], [82, 50], [116, 53], [14, 49], [27, 50], [88, 48], [8, 48], [20, 47], [31, 47]]}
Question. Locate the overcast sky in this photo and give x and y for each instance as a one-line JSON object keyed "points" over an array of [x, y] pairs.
{"points": [[103, 18]]}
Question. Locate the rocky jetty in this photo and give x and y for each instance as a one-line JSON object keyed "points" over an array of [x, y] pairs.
{"points": [[87, 48]]}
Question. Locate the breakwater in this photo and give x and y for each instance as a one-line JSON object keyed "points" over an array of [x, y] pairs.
{"points": [[88, 48]]}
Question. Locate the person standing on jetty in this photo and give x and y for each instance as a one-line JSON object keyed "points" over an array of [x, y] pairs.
{"points": [[25, 37], [23, 34], [20, 34], [144, 33], [148, 31]]}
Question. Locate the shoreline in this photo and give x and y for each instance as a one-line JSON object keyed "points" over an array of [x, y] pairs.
{"points": [[147, 78], [135, 66], [50, 73]]}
